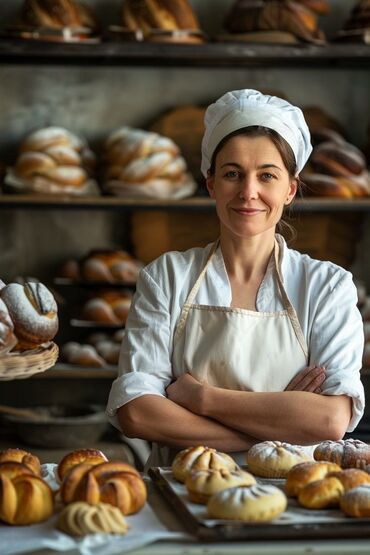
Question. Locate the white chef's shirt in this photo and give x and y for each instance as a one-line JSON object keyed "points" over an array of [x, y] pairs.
{"points": [[322, 293]]}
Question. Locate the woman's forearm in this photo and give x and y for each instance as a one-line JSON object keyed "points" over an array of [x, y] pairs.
{"points": [[293, 416], [158, 419]]}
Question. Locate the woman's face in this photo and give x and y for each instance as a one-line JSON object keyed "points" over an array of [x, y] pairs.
{"points": [[251, 186]]}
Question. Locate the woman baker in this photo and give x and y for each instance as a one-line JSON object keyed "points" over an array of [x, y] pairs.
{"points": [[244, 340]]}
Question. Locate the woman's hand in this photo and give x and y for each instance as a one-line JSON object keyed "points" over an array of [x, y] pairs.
{"points": [[309, 379], [187, 392]]}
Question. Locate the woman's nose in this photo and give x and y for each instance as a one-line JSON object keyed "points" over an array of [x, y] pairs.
{"points": [[248, 188]]}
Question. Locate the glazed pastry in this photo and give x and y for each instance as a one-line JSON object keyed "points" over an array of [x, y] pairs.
{"points": [[24, 497], [84, 355], [321, 494], [7, 337], [200, 458], [116, 483], [348, 453], [304, 473], [81, 518], [33, 311], [202, 484], [23, 457], [80, 456], [258, 503], [274, 459], [356, 502]]}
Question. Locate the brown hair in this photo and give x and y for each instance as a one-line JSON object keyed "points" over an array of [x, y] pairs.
{"points": [[286, 154]]}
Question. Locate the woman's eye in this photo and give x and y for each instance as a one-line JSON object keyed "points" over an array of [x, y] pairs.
{"points": [[267, 176], [232, 174]]}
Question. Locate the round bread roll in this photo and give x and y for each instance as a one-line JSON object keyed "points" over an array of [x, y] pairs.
{"points": [[348, 453], [81, 518], [200, 458], [204, 483], [304, 473], [257, 503], [33, 311], [321, 494], [274, 459], [356, 502]]}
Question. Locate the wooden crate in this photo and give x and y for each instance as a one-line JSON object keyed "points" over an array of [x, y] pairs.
{"points": [[322, 236]]}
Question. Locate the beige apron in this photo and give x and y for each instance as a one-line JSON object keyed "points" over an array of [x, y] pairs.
{"points": [[235, 348]]}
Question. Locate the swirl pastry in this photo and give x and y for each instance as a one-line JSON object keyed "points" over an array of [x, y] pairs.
{"points": [[258, 503], [80, 456], [81, 518], [200, 458]]}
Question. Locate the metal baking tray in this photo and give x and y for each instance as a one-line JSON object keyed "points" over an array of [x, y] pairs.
{"points": [[295, 523]]}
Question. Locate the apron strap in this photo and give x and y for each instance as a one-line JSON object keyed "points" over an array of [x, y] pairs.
{"points": [[189, 301], [286, 301]]}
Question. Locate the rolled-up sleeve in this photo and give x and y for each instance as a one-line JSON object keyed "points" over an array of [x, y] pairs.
{"points": [[337, 341], [144, 365]]}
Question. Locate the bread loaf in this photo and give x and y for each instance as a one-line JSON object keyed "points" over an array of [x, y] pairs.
{"points": [[73, 352], [57, 14], [169, 15]]}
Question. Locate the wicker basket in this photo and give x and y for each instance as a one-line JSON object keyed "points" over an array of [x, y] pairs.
{"points": [[323, 236], [18, 366]]}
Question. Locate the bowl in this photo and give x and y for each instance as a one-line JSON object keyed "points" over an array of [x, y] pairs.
{"points": [[61, 426]]}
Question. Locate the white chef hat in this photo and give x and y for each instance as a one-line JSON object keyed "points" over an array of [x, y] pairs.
{"points": [[247, 107]]}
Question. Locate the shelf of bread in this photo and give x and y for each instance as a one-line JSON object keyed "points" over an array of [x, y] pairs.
{"points": [[74, 371], [223, 53], [193, 203]]}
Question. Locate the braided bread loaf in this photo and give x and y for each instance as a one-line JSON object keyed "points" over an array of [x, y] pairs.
{"points": [[24, 497], [81, 518], [116, 483], [53, 160], [142, 163]]}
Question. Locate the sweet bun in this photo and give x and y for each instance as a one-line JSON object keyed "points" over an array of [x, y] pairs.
{"points": [[81, 518], [200, 458], [304, 473], [356, 502], [348, 453], [257, 503], [7, 337], [23, 457], [274, 459], [116, 483], [33, 311], [24, 497], [321, 493], [79, 456], [202, 484]]}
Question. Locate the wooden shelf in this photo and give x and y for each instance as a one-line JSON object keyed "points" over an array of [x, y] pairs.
{"points": [[67, 371], [214, 54], [192, 203]]}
